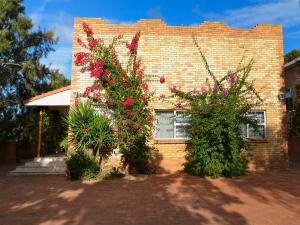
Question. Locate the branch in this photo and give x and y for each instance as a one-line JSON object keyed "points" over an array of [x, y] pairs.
{"points": [[10, 64]]}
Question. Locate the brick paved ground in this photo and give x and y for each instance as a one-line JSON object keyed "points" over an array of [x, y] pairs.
{"points": [[270, 198]]}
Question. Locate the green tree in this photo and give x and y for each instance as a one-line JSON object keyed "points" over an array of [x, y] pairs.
{"points": [[290, 56], [21, 73]]}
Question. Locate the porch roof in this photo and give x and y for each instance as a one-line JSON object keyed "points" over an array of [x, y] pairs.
{"points": [[57, 97]]}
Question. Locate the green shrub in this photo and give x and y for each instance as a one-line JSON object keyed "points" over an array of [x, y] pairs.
{"points": [[122, 89], [82, 166], [216, 113], [90, 131]]}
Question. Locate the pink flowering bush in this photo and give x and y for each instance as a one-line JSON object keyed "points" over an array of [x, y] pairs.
{"points": [[122, 91], [216, 112]]}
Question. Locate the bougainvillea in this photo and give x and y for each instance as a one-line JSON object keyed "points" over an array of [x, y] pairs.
{"points": [[124, 93], [216, 112]]}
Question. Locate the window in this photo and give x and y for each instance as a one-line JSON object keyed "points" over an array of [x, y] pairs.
{"points": [[289, 99], [248, 131], [171, 125]]}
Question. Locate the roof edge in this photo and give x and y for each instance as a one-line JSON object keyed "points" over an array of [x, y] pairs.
{"points": [[292, 63], [46, 94]]}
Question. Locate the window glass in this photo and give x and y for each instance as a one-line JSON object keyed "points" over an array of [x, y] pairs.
{"points": [[171, 124], [248, 131], [164, 124]]}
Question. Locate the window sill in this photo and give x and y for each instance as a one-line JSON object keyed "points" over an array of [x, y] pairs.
{"points": [[257, 140], [171, 141]]}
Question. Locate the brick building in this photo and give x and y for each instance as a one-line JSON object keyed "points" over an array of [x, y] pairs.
{"points": [[292, 79], [169, 51]]}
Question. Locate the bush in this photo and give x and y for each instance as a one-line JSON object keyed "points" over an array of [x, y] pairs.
{"points": [[90, 131], [82, 166], [122, 89], [216, 113]]}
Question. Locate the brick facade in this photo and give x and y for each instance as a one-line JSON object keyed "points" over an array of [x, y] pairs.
{"points": [[170, 51], [292, 76]]}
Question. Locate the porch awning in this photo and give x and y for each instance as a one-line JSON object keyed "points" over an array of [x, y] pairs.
{"points": [[57, 97]]}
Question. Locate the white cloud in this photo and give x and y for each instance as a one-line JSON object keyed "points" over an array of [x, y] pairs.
{"points": [[61, 24], [285, 12], [61, 59]]}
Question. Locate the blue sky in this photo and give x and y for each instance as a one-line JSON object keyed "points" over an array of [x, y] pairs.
{"points": [[57, 15]]}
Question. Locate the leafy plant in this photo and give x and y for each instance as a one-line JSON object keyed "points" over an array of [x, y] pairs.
{"points": [[82, 166], [123, 92], [216, 112], [90, 131]]}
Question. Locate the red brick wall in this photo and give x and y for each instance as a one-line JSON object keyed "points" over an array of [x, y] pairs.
{"points": [[170, 51], [292, 77]]}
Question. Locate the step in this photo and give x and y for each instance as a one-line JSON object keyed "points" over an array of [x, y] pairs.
{"points": [[39, 169], [49, 159], [45, 164], [14, 173]]}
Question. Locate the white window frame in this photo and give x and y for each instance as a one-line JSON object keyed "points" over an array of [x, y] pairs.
{"points": [[174, 125], [259, 124]]}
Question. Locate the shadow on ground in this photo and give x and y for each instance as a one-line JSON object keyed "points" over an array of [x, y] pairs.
{"points": [[156, 199]]}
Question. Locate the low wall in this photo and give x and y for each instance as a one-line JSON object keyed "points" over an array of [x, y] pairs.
{"points": [[294, 148], [8, 152]]}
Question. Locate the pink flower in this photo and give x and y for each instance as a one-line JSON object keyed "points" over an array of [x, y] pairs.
{"points": [[133, 46], [215, 88], [145, 86], [231, 78], [96, 72], [79, 41], [128, 102], [77, 101], [179, 106], [149, 118], [225, 92], [162, 96], [87, 30], [137, 126], [81, 58], [99, 64], [87, 91], [195, 91], [97, 96], [92, 43], [162, 79], [173, 89]]}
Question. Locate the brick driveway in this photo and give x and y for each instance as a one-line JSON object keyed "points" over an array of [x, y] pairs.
{"points": [[270, 198]]}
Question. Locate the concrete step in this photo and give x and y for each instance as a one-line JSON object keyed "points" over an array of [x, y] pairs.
{"points": [[14, 173], [49, 159], [41, 166], [42, 169], [45, 163]]}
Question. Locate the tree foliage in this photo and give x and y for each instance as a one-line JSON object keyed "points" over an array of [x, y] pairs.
{"points": [[290, 56], [21, 73]]}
